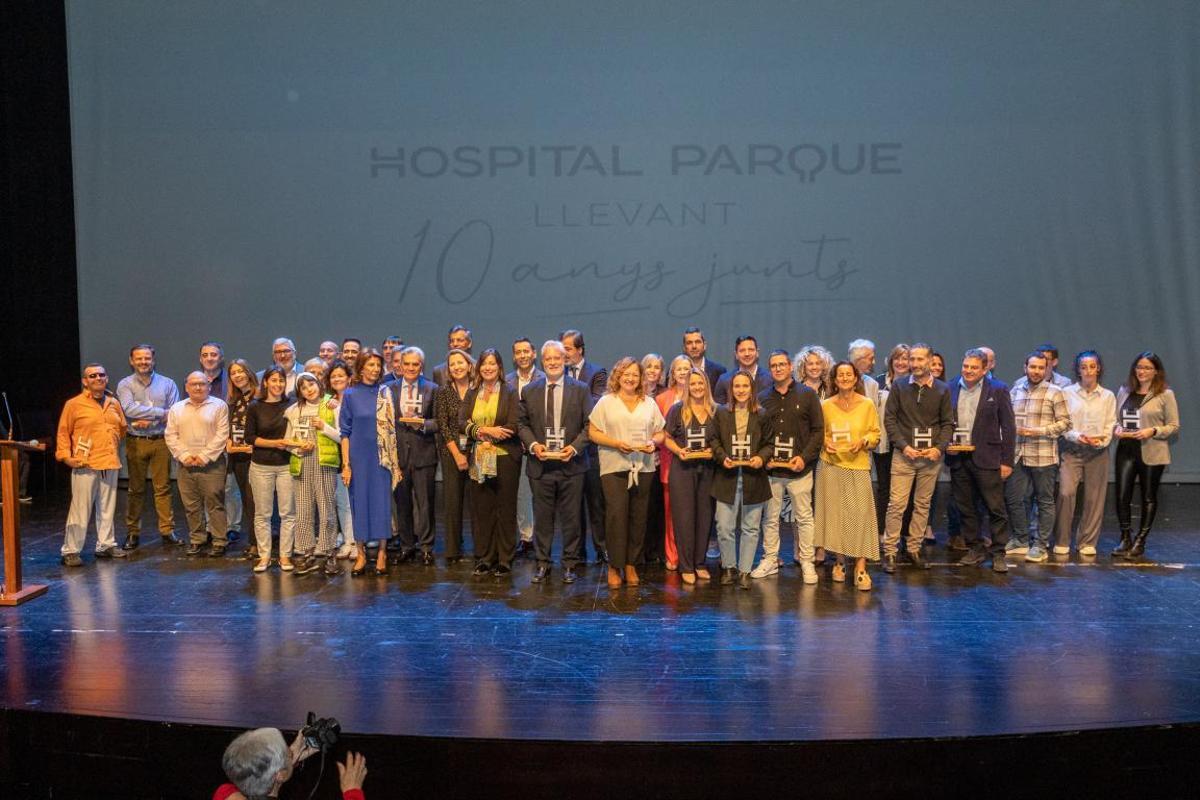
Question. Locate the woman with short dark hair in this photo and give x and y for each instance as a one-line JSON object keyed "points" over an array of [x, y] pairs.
{"points": [[370, 468], [266, 432]]}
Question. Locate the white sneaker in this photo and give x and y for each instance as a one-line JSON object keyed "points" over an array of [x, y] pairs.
{"points": [[1016, 548], [768, 566], [1087, 550], [809, 572], [1059, 550]]}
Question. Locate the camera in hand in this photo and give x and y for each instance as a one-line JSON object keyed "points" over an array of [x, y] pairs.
{"points": [[320, 734]]}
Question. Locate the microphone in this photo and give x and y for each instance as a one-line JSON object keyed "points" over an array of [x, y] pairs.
{"points": [[12, 431]]}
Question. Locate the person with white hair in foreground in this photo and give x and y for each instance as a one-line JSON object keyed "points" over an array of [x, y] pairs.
{"points": [[259, 762]]}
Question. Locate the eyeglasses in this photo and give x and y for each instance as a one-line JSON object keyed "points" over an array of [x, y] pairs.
{"points": [[91, 375]]}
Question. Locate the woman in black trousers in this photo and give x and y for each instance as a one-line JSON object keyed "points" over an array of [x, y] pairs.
{"points": [[489, 420], [452, 447], [688, 424]]}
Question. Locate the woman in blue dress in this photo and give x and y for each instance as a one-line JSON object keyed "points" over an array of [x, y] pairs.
{"points": [[369, 466]]}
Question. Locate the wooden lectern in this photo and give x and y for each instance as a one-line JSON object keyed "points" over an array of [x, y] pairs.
{"points": [[13, 593]]}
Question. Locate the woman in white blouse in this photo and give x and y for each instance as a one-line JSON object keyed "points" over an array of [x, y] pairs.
{"points": [[625, 425]]}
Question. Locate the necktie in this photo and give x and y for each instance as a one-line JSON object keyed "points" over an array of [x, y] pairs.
{"points": [[550, 405]]}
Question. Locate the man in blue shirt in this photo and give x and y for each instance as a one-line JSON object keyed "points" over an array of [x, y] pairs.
{"points": [[145, 397]]}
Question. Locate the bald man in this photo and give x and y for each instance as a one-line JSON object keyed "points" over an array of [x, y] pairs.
{"points": [[197, 430]]}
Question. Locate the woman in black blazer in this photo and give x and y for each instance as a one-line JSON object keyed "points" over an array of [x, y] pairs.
{"points": [[747, 486], [488, 418]]}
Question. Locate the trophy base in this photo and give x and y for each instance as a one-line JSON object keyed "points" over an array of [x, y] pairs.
{"points": [[773, 464], [740, 462], [554, 455], [961, 448], [410, 421], [697, 455]]}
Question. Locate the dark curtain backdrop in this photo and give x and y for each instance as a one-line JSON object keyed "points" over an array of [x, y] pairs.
{"points": [[39, 362]]}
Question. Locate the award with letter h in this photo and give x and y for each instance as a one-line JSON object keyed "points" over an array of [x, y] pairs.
{"points": [[555, 444], [697, 444], [83, 448], [922, 438], [411, 408], [739, 451], [782, 453], [237, 433], [1131, 420], [962, 441]]}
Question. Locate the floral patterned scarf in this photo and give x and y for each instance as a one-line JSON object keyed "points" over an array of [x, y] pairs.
{"points": [[385, 433]]}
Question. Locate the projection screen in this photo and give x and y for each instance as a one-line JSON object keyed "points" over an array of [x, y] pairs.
{"points": [[810, 172]]}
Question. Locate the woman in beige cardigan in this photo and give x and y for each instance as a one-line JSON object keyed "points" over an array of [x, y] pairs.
{"points": [[1147, 420]]}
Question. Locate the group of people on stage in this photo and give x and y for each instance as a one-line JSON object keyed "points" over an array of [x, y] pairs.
{"points": [[644, 456]]}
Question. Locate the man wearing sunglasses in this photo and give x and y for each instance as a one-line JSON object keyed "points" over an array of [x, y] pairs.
{"points": [[90, 431]]}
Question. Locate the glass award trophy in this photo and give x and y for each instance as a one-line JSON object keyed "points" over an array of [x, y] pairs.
{"points": [[962, 441], [1131, 420], [782, 452], [739, 451], [697, 443], [302, 430], [840, 434], [410, 407], [238, 434], [555, 443], [83, 447], [922, 438]]}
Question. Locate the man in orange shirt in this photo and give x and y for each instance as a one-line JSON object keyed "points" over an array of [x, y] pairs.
{"points": [[90, 431]]}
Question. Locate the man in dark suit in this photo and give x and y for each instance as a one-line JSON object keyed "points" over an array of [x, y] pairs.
{"points": [[459, 338], [984, 409], [596, 379], [554, 418], [695, 348], [524, 372], [416, 450], [745, 350]]}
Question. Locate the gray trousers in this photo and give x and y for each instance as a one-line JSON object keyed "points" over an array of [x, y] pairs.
{"points": [[1090, 469], [202, 490]]}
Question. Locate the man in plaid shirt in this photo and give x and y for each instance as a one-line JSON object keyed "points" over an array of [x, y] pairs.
{"points": [[1042, 416]]}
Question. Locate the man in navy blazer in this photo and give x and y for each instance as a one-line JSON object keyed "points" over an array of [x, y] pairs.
{"points": [[982, 406], [561, 404], [596, 379], [746, 352], [416, 450]]}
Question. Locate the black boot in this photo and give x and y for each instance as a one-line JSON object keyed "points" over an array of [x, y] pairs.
{"points": [[1123, 548], [1149, 509]]}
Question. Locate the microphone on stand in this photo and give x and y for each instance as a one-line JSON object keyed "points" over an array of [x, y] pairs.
{"points": [[12, 430]]}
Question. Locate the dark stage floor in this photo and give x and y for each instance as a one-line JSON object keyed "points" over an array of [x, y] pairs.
{"points": [[430, 651]]}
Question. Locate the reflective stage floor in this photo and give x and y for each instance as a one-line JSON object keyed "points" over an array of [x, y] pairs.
{"points": [[1074, 644]]}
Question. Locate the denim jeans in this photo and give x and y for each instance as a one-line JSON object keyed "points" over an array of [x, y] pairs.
{"points": [[727, 523], [271, 484], [1021, 504]]}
